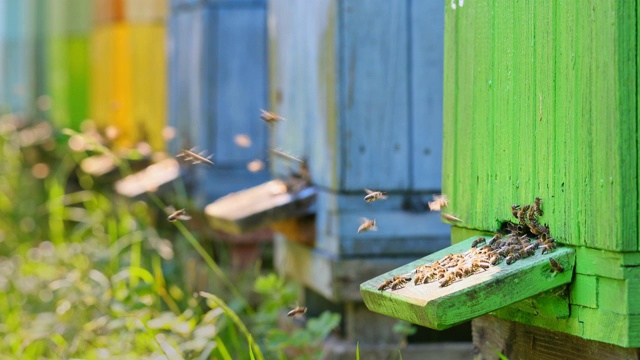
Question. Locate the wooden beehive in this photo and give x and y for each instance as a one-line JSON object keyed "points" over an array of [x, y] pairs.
{"points": [[17, 63], [68, 41], [359, 86], [541, 100], [217, 86], [128, 69]]}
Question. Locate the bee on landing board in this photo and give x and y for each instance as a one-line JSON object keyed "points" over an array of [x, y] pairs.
{"points": [[367, 225], [297, 312], [555, 265], [374, 195], [439, 201], [177, 215], [195, 158]]}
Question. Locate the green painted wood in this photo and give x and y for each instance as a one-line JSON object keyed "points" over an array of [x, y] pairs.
{"points": [[619, 296], [459, 234], [584, 290], [441, 307], [591, 324], [607, 263], [540, 100]]}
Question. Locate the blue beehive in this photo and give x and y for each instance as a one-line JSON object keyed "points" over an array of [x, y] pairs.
{"points": [[217, 86]]}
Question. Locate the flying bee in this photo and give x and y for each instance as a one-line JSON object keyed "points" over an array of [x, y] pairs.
{"points": [[449, 217], [555, 265], [367, 225], [537, 206], [478, 241], [297, 312], [439, 201], [385, 284], [270, 117], [514, 210], [374, 195], [177, 215], [195, 158], [522, 213]]}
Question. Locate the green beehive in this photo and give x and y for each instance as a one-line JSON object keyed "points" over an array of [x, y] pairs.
{"points": [[540, 99], [69, 24]]}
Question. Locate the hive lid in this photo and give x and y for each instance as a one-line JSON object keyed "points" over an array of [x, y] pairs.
{"points": [[250, 209], [441, 307]]}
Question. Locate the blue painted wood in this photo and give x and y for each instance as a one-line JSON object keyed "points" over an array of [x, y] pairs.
{"points": [[17, 39], [427, 53], [217, 86], [360, 83]]}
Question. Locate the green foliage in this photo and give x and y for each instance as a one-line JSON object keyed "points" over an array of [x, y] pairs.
{"points": [[86, 274]]}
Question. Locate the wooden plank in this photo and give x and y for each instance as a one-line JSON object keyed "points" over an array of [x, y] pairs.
{"points": [[459, 234], [335, 278], [619, 296], [607, 263], [441, 307], [240, 85], [257, 207], [150, 179], [373, 93], [492, 335], [584, 289], [426, 19]]}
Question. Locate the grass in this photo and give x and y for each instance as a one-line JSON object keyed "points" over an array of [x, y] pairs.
{"points": [[87, 274]]}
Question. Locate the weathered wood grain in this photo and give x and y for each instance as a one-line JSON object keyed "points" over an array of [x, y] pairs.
{"points": [[441, 307], [493, 336], [335, 278], [256, 207], [344, 80], [616, 265], [540, 100]]}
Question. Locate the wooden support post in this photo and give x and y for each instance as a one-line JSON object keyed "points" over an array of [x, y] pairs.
{"points": [[493, 336]]}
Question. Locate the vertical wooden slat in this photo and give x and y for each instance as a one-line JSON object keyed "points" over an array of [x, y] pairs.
{"points": [[374, 95], [426, 19]]}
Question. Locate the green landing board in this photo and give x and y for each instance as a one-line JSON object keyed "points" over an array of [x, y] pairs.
{"points": [[441, 307]]}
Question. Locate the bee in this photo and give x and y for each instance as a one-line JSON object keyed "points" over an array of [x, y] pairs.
{"points": [[538, 229], [297, 312], [532, 216], [177, 215], [522, 213], [478, 241], [420, 278], [514, 210], [399, 282], [493, 240], [195, 158], [447, 280], [374, 195], [481, 264], [532, 248], [439, 201], [494, 259], [449, 217], [270, 117], [555, 265], [385, 284], [367, 225], [537, 206], [510, 259], [547, 247]]}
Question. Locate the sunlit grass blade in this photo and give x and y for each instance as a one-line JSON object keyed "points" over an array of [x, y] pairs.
{"points": [[358, 350], [254, 349], [222, 349]]}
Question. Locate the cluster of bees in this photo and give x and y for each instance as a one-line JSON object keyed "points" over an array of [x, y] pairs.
{"points": [[522, 240]]}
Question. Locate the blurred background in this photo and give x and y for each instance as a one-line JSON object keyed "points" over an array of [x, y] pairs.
{"points": [[96, 99]]}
